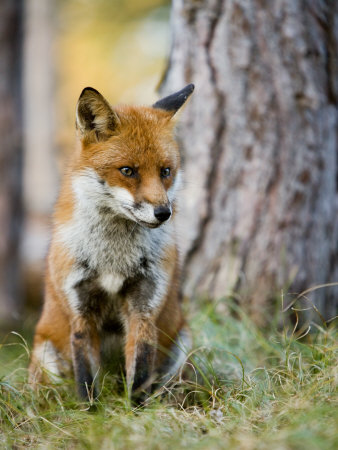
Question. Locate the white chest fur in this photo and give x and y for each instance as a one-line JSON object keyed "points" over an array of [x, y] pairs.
{"points": [[112, 248], [111, 283]]}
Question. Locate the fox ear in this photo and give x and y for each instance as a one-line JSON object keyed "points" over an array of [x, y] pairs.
{"points": [[173, 102], [94, 117]]}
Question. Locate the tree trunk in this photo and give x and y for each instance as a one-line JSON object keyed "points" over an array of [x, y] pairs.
{"points": [[10, 157], [259, 140], [40, 165]]}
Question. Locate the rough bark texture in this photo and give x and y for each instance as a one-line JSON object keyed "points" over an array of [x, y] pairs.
{"points": [[10, 157], [259, 137]]}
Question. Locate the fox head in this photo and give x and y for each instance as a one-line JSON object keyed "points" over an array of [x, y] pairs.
{"points": [[128, 160]]}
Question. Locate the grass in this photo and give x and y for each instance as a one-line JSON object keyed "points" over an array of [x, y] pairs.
{"points": [[245, 388]]}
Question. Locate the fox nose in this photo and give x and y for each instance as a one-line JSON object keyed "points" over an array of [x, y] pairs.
{"points": [[162, 213]]}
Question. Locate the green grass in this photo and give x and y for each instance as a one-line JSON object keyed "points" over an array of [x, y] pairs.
{"points": [[245, 388]]}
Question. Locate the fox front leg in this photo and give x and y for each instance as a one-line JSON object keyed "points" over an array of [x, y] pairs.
{"points": [[85, 357], [140, 352]]}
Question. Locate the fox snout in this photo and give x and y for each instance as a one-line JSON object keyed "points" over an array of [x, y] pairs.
{"points": [[162, 213], [147, 212], [151, 216]]}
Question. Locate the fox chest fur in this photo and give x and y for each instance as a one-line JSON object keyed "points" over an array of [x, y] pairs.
{"points": [[115, 260]]}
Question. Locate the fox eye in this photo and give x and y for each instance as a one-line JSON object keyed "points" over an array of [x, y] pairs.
{"points": [[127, 171], [165, 172]]}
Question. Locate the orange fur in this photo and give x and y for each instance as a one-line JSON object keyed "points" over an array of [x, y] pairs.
{"points": [[71, 325]]}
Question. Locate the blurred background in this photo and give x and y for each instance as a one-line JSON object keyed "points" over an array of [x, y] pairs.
{"points": [[50, 51]]}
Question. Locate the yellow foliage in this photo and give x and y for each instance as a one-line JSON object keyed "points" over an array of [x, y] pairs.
{"points": [[117, 47]]}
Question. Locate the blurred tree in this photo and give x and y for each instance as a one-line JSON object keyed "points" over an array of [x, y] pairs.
{"points": [[259, 213], [11, 13], [40, 177]]}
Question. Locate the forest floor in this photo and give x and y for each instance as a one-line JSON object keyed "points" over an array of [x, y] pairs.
{"points": [[246, 388]]}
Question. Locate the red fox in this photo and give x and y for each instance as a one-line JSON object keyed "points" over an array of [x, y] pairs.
{"points": [[112, 266]]}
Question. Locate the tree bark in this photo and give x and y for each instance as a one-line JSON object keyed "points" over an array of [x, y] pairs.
{"points": [[10, 157], [259, 141]]}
